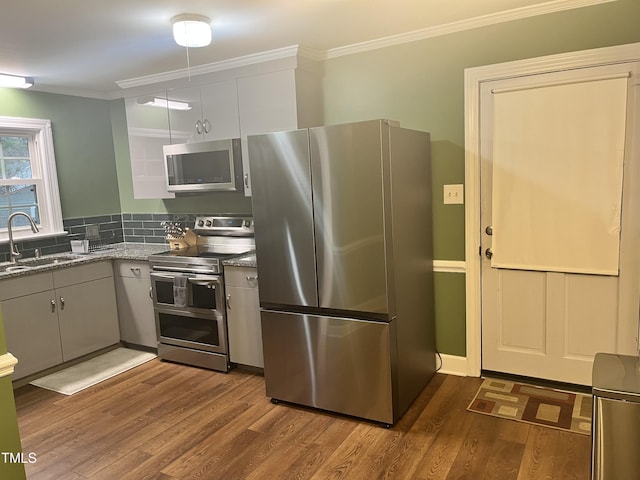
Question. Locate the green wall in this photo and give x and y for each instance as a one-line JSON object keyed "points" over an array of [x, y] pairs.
{"points": [[83, 147], [9, 435], [421, 84]]}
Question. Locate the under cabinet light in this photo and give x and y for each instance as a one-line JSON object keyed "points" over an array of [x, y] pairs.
{"points": [[164, 103], [15, 81]]}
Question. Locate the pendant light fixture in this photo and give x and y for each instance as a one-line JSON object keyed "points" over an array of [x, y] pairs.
{"points": [[191, 30]]}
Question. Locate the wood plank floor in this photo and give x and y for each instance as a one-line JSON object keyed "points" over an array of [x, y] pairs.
{"points": [[168, 421]]}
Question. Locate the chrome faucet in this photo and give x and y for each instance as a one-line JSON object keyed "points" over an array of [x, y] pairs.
{"points": [[14, 254]]}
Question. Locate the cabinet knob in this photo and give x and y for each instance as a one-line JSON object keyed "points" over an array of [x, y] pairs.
{"points": [[251, 278], [135, 270], [206, 126], [199, 127], [61, 303], [53, 305], [228, 300]]}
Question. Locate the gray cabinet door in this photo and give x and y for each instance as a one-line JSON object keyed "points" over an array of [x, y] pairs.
{"points": [[88, 317], [33, 336]]}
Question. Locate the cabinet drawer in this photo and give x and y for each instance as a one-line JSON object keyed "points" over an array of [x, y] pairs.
{"points": [[131, 268], [25, 285], [82, 273], [241, 277]]}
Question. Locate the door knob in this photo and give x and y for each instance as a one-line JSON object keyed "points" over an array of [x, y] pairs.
{"points": [[488, 253]]}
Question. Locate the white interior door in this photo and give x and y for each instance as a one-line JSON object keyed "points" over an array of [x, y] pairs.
{"points": [[559, 276]]}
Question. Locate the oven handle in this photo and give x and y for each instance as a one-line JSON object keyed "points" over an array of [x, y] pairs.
{"points": [[168, 276], [191, 278], [205, 282], [176, 270]]}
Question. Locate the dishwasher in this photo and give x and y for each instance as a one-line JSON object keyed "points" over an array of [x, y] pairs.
{"points": [[615, 452]]}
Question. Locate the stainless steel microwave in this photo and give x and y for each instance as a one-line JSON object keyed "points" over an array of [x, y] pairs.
{"points": [[204, 166]]}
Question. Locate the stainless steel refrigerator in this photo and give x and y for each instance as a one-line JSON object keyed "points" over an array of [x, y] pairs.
{"points": [[345, 270]]}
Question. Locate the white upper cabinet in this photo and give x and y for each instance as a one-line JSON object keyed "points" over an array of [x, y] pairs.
{"points": [[273, 102], [201, 113], [148, 130], [242, 105]]}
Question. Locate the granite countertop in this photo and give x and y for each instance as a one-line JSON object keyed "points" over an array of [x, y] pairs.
{"points": [[248, 260], [119, 251]]}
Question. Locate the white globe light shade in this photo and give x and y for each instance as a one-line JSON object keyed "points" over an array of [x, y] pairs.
{"points": [[191, 30]]}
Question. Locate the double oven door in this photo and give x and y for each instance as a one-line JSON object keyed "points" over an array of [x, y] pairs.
{"points": [[190, 310]]}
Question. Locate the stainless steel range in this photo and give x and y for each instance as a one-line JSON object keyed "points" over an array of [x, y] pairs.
{"points": [[188, 292]]}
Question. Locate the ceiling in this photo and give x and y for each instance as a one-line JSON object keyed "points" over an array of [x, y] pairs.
{"points": [[84, 47]]}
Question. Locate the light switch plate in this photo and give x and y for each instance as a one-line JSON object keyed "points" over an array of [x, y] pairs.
{"points": [[453, 194]]}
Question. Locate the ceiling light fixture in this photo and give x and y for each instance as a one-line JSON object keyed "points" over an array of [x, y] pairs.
{"points": [[191, 30], [164, 103], [15, 81]]}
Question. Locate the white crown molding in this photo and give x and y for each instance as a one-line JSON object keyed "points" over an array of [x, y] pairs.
{"points": [[73, 92], [252, 59], [319, 55], [7, 362], [453, 27]]}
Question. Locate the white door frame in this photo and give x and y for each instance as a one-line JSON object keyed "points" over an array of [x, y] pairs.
{"points": [[473, 78]]}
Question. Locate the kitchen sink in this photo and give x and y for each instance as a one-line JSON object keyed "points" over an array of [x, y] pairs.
{"points": [[14, 268], [39, 262], [29, 263]]}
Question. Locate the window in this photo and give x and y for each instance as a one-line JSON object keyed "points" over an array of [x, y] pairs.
{"points": [[28, 179]]}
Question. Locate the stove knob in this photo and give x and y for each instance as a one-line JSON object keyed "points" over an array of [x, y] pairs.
{"points": [[200, 223], [209, 223]]}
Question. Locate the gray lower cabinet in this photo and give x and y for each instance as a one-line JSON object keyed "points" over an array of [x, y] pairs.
{"points": [[135, 307], [32, 331], [57, 316], [243, 316]]}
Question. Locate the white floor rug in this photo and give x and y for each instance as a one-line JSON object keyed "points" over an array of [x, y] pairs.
{"points": [[83, 375]]}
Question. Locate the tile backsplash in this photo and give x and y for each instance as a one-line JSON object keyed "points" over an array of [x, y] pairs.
{"points": [[102, 231]]}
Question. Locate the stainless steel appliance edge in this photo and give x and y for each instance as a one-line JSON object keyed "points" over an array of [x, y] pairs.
{"points": [[343, 226]]}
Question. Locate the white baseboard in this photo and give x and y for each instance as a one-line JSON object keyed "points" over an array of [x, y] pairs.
{"points": [[453, 365], [7, 362]]}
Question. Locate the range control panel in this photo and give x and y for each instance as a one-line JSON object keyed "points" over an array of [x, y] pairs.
{"points": [[221, 225]]}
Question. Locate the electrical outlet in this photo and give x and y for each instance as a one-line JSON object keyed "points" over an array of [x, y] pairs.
{"points": [[453, 194]]}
